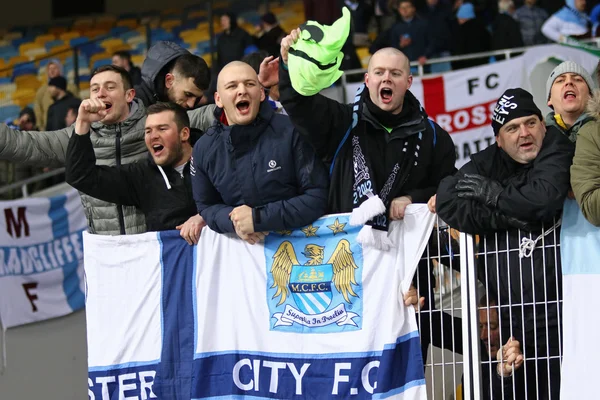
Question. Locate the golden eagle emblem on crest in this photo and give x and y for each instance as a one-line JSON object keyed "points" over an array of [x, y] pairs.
{"points": [[341, 262]]}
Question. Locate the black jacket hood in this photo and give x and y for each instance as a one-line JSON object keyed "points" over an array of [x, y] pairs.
{"points": [[159, 55]]}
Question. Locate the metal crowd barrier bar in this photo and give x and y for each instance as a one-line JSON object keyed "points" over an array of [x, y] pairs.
{"points": [[482, 293], [34, 179]]}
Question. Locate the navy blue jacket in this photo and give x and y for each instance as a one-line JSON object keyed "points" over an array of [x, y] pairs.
{"points": [[265, 165]]}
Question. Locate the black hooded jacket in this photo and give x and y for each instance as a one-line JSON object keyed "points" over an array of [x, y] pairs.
{"points": [[325, 122], [232, 44], [532, 192], [154, 69], [163, 195]]}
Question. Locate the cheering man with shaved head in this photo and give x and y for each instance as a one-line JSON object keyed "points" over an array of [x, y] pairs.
{"points": [[252, 172], [385, 135]]}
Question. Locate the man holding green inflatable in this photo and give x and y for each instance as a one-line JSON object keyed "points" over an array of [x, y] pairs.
{"points": [[383, 151]]}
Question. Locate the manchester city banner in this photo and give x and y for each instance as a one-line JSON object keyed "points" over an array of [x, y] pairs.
{"points": [[308, 314], [41, 258]]}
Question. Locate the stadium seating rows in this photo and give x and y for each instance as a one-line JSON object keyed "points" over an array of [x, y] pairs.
{"points": [[26, 51]]}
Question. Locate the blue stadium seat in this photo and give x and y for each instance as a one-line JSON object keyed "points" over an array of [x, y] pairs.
{"points": [[89, 50], [24, 69], [118, 30], [5, 80], [7, 52], [128, 35], [160, 34], [204, 47], [79, 40], [53, 43], [82, 60], [9, 111], [17, 42], [101, 62]]}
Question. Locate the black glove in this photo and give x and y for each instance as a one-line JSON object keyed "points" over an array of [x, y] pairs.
{"points": [[503, 222], [480, 188]]}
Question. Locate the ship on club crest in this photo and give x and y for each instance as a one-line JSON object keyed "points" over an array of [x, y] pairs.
{"points": [[317, 293]]}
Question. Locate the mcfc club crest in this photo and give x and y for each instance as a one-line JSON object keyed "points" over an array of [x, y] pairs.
{"points": [[321, 292]]}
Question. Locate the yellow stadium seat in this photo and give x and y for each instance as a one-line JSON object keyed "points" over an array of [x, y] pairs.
{"points": [[17, 59], [170, 24], [92, 33], [108, 43], [36, 52], [27, 82], [99, 56], [138, 59], [197, 14], [104, 26], [130, 23], [27, 46], [60, 51], [22, 97], [202, 26], [66, 36], [42, 39], [84, 85], [206, 58], [83, 22], [363, 55]]}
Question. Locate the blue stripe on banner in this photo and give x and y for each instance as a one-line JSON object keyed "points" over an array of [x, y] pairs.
{"points": [[125, 383], [174, 373], [273, 376], [60, 228], [362, 354]]}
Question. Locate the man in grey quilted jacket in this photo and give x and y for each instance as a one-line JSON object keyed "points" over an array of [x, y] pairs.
{"points": [[118, 138]]}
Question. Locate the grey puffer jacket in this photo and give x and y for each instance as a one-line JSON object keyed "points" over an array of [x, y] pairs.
{"points": [[121, 143]]}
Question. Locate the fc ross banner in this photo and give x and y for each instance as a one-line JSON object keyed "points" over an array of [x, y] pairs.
{"points": [[308, 314], [41, 258], [462, 102]]}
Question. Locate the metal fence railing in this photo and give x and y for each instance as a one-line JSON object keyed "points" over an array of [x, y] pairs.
{"points": [[483, 295]]}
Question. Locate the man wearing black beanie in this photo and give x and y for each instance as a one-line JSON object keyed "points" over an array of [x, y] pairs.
{"points": [[512, 193], [63, 100]]}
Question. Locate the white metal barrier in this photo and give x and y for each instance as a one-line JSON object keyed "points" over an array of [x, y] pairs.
{"points": [[483, 294]]}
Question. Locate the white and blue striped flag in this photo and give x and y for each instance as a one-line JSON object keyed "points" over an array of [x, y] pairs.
{"points": [[41, 258], [310, 314]]}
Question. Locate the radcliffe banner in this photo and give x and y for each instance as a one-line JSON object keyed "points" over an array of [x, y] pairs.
{"points": [[307, 314], [41, 258]]}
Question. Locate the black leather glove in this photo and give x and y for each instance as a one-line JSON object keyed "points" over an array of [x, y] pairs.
{"points": [[479, 188], [503, 222]]}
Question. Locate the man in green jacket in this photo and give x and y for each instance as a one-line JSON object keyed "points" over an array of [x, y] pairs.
{"points": [[117, 139], [585, 179]]}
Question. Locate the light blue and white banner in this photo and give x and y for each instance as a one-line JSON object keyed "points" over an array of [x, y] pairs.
{"points": [[580, 257], [41, 258], [307, 314]]}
